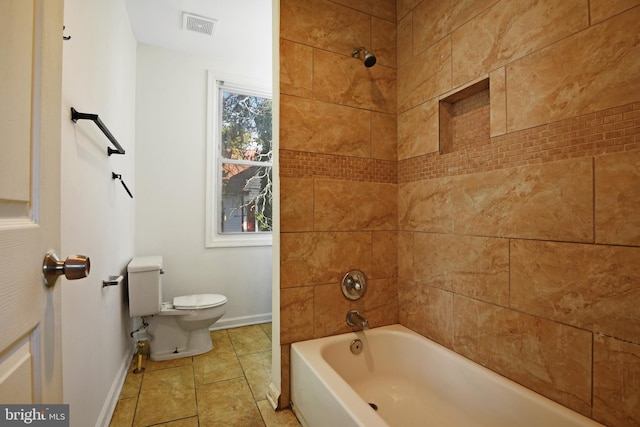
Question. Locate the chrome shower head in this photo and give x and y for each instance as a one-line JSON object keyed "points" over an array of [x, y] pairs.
{"points": [[363, 54]]}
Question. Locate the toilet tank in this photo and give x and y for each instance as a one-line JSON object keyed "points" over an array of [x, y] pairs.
{"points": [[145, 286]]}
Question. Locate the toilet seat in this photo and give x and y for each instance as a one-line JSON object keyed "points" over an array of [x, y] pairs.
{"points": [[198, 301]]}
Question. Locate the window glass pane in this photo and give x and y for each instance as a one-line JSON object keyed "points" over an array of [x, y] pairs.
{"points": [[246, 127], [246, 199]]}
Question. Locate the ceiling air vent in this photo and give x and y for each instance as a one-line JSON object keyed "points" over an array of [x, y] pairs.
{"points": [[199, 24]]}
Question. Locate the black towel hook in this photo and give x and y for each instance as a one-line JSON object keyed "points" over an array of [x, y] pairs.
{"points": [[118, 176]]}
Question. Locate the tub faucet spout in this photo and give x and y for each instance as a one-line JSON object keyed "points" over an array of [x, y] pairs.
{"points": [[355, 319]]}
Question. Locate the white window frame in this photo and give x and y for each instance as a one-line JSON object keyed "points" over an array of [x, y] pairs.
{"points": [[214, 238]]}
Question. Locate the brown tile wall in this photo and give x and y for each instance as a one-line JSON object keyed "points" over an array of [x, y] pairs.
{"points": [[522, 251]]}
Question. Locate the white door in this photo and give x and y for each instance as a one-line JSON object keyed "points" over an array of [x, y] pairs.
{"points": [[30, 115]]}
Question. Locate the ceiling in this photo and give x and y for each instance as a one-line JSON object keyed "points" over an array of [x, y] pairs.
{"points": [[242, 35]]}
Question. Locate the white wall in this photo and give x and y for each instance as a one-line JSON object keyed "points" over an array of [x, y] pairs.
{"points": [[97, 216], [170, 182]]}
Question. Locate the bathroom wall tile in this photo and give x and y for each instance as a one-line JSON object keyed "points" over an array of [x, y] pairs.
{"points": [[551, 201], [330, 310], [166, 395], [325, 25], [510, 30], [474, 266], [547, 357], [418, 130], [228, 403], [384, 136], [603, 9], [315, 258], [385, 9], [296, 314], [348, 206], [296, 73], [594, 287], [405, 40], [589, 71], [320, 127], [344, 80], [498, 102], [296, 204], [425, 76], [616, 382], [383, 41], [384, 254], [380, 302], [405, 6], [426, 206], [617, 187], [426, 310], [405, 255], [285, 386], [434, 20]]}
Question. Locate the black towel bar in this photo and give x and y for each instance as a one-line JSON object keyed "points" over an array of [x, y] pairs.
{"points": [[76, 115]]}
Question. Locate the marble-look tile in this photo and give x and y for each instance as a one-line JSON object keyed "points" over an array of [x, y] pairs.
{"points": [[510, 30], [384, 136], [405, 255], [296, 204], [131, 386], [296, 73], [405, 40], [547, 357], [228, 403], [349, 206], [185, 422], [498, 103], [383, 42], [552, 201], [617, 187], [425, 76], [426, 206], [474, 266], [344, 80], [296, 314], [257, 371], [405, 6], [418, 130], [155, 365], [385, 9], [616, 382], [212, 367], [285, 372], [594, 287], [249, 339], [384, 254], [283, 418], [599, 10], [320, 127], [589, 71], [325, 25], [380, 302], [316, 258], [166, 394], [434, 20], [330, 310], [426, 310], [124, 412]]}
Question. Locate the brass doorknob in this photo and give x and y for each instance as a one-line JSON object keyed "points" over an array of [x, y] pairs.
{"points": [[74, 267]]}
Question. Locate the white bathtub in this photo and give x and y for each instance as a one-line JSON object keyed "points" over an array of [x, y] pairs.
{"points": [[414, 382]]}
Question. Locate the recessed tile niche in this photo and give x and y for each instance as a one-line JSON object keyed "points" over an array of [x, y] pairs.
{"points": [[465, 118]]}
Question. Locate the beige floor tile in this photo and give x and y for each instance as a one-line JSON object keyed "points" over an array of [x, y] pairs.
{"points": [[284, 418], [249, 339], [131, 386], [124, 412], [214, 367], [185, 422], [166, 395], [257, 371], [153, 365], [228, 403]]}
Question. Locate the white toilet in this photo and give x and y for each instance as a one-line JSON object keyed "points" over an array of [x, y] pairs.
{"points": [[177, 329]]}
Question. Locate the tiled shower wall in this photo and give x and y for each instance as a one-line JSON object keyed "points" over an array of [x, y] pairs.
{"points": [[521, 251]]}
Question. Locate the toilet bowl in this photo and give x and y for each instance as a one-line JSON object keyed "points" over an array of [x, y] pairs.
{"points": [[176, 329]]}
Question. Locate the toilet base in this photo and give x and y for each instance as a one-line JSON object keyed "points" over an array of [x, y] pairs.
{"points": [[167, 341]]}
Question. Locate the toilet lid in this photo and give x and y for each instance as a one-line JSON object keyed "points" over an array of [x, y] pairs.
{"points": [[198, 301]]}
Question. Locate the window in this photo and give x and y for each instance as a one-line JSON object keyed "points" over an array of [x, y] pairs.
{"points": [[240, 162]]}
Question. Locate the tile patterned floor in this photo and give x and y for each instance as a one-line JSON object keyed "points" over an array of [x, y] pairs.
{"points": [[225, 387]]}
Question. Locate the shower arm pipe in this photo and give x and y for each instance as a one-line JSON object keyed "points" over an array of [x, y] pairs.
{"points": [[76, 115]]}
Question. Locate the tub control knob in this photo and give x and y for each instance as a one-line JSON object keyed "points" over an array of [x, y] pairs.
{"points": [[354, 284]]}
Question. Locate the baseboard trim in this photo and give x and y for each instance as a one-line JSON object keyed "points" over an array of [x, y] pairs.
{"points": [[114, 393], [234, 322]]}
